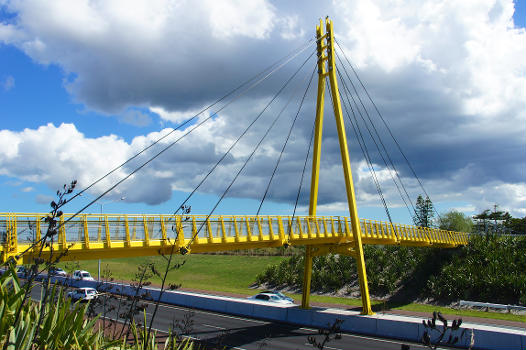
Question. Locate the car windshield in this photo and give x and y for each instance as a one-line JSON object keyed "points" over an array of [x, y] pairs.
{"points": [[275, 297], [85, 274], [91, 291], [279, 294]]}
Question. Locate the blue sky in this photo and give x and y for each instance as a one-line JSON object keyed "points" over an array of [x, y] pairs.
{"points": [[41, 87]]}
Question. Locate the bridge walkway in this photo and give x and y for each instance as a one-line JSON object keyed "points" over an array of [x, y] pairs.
{"points": [[95, 236]]}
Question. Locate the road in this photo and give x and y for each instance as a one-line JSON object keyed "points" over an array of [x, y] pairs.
{"points": [[243, 333]]}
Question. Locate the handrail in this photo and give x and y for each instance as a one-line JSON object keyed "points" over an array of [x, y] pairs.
{"points": [[91, 235]]}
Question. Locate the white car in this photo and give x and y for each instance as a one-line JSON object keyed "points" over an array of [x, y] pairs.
{"points": [[81, 275], [271, 298], [56, 271], [279, 294], [83, 294]]}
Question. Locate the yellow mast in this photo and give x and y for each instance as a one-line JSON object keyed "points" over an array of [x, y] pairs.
{"points": [[325, 51]]}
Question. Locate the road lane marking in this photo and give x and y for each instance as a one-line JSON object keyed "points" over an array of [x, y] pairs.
{"points": [[212, 326]]}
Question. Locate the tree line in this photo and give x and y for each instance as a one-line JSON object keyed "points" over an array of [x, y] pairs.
{"points": [[488, 221]]}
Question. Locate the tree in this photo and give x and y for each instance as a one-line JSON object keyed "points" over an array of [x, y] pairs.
{"points": [[423, 212], [516, 226], [455, 221], [498, 218], [482, 221], [495, 221]]}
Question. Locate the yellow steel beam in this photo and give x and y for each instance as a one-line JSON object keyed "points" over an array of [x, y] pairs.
{"points": [[318, 131], [307, 275], [349, 186], [316, 156]]}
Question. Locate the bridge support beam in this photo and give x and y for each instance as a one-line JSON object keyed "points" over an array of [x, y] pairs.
{"points": [[316, 155], [351, 199], [307, 275]]}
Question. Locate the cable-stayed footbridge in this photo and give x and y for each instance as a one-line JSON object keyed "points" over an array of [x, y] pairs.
{"points": [[80, 236]]}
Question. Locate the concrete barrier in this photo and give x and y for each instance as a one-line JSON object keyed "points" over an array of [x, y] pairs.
{"points": [[380, 325]]}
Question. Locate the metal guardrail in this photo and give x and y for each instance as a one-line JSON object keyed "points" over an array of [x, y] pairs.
{"points": [[118, 235], [491, 306]]}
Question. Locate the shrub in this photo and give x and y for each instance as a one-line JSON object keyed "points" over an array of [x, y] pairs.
{"points": [[62, 326], [490, 268]]}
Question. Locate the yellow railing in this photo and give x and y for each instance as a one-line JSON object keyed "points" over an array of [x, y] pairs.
{"points": [[93, 236]]}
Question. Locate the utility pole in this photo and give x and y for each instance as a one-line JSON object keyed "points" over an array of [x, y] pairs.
{"points": [[495, 216]]}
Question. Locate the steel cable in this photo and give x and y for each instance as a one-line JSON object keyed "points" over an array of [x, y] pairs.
{"points": [[366, 155], [184, 250], [301, 179], [347, 93], [377, 135], [365, 151], [269, 68], [285, 143], [225, 154], [386, 125], [164, 150]]}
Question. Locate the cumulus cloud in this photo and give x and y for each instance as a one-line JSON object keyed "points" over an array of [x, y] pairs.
{"points": [[449, 77]]}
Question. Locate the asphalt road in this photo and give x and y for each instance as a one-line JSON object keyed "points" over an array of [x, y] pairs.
{"points": [[241, 333]]}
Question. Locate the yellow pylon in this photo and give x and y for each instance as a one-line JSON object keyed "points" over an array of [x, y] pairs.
{"points": [[327, 68]]}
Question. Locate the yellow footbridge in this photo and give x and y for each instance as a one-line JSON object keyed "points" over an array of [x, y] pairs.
{"points": [[96, 236], [91, 236]]}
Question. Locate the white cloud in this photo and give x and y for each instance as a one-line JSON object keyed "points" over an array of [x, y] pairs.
{"points": [[510, 197], [27, 189], [240, 18], [290, 28], [54, 155]]}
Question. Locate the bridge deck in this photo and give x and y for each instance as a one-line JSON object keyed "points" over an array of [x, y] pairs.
{"points": [[93, 236]]}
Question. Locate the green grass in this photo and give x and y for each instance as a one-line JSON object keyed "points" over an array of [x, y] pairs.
{"points": [[462, 312], [236, 273], [378, 306], [224, 273]]}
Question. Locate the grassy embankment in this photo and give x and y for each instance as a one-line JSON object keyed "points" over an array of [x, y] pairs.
{"points": [[235, 274]]}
